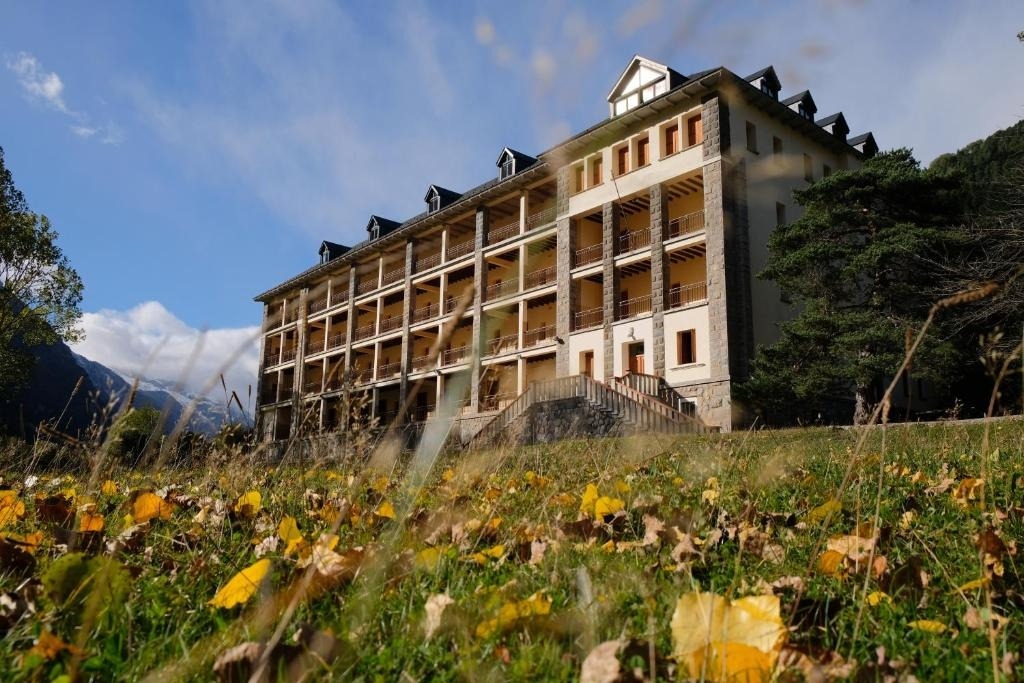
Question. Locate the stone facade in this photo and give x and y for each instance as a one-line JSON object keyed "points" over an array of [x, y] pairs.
{"points": [[610, 282]]}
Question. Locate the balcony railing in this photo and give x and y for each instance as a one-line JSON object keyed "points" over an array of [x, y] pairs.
{"points": [[587, 255], [431, 310], [421, 363], [364, 332], [284, 393], [272, 358], [459, 250], [542, 217], [317, 305], [500, 289], [502, 233], [592, 317], [539, 278], [686, 225], [314, 345], [291, 316], [454, 355], [390, 324], [633, 240], [541, 334], [339, 296], [273, 320], [362, 375], [634, 307], [450, 304], [335, 341], [287, 355], [366, 285], [684, 295], [502, 344], [386, 370], [393, 276], [428, 262], [423, 413], [313, 387]]}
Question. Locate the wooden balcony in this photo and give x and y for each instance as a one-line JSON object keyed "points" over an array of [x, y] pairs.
{"points": [[421, 363], [424, 313], [317, 305], [500, 289], [684, 295], [288, 355], [689, 224], [503, 232], [588, 255], [539, 278], [334, 341], [630, 308], [393, 276], [592, 317], [386, 370], [427, 262], [390, 324], [509, 342], [540, 218], [538, 336], [634, 240], [455, 355], [366, 285], [459, 250], [364, 332]]}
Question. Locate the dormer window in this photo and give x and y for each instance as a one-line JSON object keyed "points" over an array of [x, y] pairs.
{"points": [[508, 168], [434, 204], [375, 232], [642, 81], [766, 88]]}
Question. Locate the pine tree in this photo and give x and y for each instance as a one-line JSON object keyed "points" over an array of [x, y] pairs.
{"points": [[860, 267]]}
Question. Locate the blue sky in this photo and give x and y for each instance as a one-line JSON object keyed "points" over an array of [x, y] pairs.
{"points": [[194, 154]]}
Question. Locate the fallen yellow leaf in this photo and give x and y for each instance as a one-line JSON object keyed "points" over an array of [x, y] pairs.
{"points": [[248, 504], [829, 508], [876, 598], [510, 613], [928, 625], [148, 505], [590, 496], [385, 510], [90, 521], [242, 585], [11, 508], [721, 640], [109, 488], [288, 531], [606, 505]]}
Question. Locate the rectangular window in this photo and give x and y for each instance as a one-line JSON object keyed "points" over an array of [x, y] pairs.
{"points": [[686, 347], [808, 168], [826, 170], [643, 152], [777, 148], [751, 137], [596, 171], [622, 160], [672, 139], [694, 130], [587, 363], [577, 173], [780, 213]]}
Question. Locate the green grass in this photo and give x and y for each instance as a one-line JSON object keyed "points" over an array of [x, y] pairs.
{"points": [[767, 483]]}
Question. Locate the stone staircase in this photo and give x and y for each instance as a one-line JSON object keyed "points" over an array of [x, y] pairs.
{"points": [[581, 406]]}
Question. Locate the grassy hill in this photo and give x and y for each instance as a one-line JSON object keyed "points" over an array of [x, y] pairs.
{"points": [[890, 552]]}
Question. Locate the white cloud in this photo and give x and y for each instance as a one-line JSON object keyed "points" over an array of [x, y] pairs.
{"points": [[49, 88], [149, 341]]}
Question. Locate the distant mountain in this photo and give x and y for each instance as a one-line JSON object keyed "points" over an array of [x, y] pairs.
{"points": [[207, 415], [70, 393]]}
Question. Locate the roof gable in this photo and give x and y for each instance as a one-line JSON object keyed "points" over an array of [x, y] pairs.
{"points": [[835, 124], [770, 78], [641, 81], [378, 227]]}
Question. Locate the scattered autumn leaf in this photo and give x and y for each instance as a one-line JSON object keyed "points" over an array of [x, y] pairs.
{"points": [[512, 613], [242, 585], [147, 505], [248, 505]]}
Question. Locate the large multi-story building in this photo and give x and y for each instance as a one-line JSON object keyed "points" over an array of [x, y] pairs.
{"points": [[628, 248]]}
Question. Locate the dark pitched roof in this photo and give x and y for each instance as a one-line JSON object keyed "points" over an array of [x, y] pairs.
{"points": [[447, 196], [522, 160], [769, 73], [836, 123], [332, 249], [865, 142], [384, 225], [804, 97]]}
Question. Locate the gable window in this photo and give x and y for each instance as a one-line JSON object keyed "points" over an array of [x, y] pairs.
{"points": [[808, 168], [643, 151], [766, 88], [751, 137], [777, 148], [686, 347], [435, 202], [374, 232], [622, 160], [671, 139], [508, 167], [596, 171], [694, 130]]}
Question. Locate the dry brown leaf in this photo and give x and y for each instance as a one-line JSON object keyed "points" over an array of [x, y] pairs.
{"points": [[602, 664], [435, 607]]}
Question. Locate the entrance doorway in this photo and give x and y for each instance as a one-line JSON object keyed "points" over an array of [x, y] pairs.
{"points": [[587, 364], [635, 357]]}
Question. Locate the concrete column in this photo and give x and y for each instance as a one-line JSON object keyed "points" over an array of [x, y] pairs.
{"points": [[521, 327], [403, 384], [610, 224], [444, 246], [520, 375], [524, 210], [350, 323], [298, 377], [659, 265], [567, 299], [479, 283]]}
